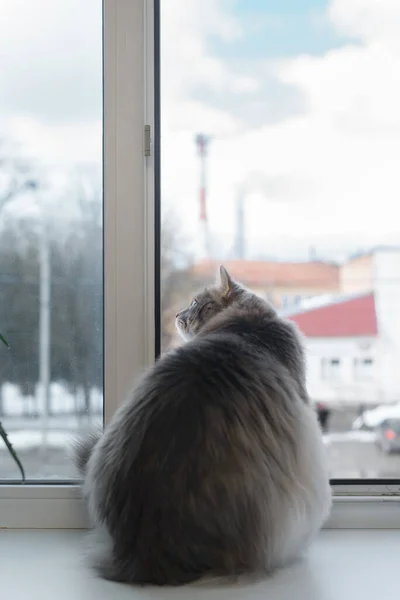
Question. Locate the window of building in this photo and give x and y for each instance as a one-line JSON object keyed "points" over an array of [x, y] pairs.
{"points": [[331, 368], [364, 369]]}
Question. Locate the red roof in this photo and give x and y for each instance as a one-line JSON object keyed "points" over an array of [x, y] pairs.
{"points": [[352, 317], [312, 274]]}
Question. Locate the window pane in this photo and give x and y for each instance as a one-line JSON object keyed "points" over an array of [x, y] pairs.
{"points": [[51, 270], [280, 147]]}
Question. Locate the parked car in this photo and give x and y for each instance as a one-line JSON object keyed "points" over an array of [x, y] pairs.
{"points": [[371, 419], [388, 436]]}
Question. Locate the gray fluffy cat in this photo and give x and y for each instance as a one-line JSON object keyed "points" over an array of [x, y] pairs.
{"points": [[216, 464]]}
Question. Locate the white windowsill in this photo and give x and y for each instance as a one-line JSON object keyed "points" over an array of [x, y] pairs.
{"points": [[341, 564], [61, 507]]}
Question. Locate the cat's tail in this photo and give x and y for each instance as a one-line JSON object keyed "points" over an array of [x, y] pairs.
{"points": [[82, 450]]}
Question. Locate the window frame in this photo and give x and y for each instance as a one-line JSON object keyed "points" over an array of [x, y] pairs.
{"points": [[131, 287], [129, 36]]}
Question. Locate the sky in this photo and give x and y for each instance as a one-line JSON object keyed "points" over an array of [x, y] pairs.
{"points": [[51, 80], [300, 98]]}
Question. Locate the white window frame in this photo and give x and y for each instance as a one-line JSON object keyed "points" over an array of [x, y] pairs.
{"points": [[129, 272], [128, 244]]}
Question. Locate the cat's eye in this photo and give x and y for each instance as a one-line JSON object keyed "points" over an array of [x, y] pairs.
{"points": [[194, 302]]}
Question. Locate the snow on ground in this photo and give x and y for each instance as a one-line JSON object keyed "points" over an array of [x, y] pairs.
{"points": [[365, 437], [57, 430], [34, 439], [61, 400]]}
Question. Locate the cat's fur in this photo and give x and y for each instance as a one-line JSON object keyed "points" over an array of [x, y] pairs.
{"points": [[216, 464]]}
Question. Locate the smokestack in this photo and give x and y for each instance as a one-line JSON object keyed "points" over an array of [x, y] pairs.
{"points": [[202, 142], [240, 225], [312, 253]]}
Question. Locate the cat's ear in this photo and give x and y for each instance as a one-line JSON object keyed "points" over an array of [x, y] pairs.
{"points": [[226, 281]]}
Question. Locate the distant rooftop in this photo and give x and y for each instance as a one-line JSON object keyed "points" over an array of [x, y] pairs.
{"points": [[310, 275], [344, 316]]}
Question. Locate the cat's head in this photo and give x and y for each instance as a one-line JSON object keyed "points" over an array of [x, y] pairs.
{"points": [[207, 304]]}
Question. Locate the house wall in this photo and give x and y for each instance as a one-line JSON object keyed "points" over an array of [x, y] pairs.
{"points": [[380, 273], [347, 387], [356, 275], [386, 274]]}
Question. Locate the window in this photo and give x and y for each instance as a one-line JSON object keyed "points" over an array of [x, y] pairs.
{"points": [[364, 368], [51, 498], [291, 301], [285, 301], [252, 95], [278, 139], [331, 369], [51, 271]]}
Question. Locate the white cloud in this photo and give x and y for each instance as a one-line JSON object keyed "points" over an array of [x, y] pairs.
{"points": [[329, 168], [344, 149], [50, 77], [368, 20]]}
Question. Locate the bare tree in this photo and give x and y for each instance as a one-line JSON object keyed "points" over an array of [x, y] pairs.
{"points": [[176, 280], [77, 323], [16, 175]]}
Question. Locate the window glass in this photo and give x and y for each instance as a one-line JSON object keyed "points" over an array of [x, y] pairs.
{"points": [[51, 377], [280, 140]]}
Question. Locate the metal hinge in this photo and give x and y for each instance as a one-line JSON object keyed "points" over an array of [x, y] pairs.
{"points": [[147, 140]]}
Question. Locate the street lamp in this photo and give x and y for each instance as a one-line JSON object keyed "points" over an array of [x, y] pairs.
{"points": [[44, 309]]}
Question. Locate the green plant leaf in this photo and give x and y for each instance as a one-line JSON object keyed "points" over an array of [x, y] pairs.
{"points": [[3, 339], [12, 451]]}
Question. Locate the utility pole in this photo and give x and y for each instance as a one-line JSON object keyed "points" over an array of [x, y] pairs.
{"points": [[44, 306], [202, 142], [44, 319]]}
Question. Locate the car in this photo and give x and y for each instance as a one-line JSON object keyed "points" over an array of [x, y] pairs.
{"points": [[370, 420], [388, 436]]}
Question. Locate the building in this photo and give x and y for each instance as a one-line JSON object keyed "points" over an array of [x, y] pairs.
{"points": [[349, 315], [284, 284], [358, 274], [353, 340], [342, 346]]}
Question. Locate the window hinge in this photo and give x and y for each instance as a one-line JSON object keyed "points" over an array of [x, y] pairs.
{"points": [[147, 140]]}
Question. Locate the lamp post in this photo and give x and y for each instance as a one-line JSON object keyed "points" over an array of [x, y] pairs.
{"points": [[44, 320], [44, 314]]}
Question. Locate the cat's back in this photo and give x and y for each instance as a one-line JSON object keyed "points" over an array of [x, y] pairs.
{"points": [[232, 370], [204, 369], [220, 357]]}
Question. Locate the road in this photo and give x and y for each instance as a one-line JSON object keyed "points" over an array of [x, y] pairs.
{"points": [[354, 455]]}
